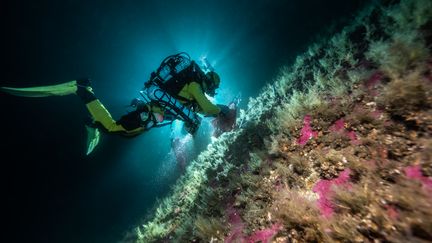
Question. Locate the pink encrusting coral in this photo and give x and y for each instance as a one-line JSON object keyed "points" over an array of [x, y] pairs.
{"points": [[414, 172], [339, 127], [306, 132], [324, 189]]}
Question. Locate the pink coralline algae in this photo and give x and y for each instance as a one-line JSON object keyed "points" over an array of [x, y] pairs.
{"points": [[376, 114], [236, 233], [324, 189], [306, 132], [373, 81], [414, 172], [339, 127], [237, 226], [264, 235], [392, 212]]}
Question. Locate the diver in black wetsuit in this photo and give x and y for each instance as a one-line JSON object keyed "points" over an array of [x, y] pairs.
{"points": [[190, 88]]}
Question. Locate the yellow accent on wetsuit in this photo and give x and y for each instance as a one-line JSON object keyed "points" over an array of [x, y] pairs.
{"points": [[193, 92], [100, 114]]}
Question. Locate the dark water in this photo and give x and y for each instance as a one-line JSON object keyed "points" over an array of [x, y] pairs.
{"points": [[51, 191]]}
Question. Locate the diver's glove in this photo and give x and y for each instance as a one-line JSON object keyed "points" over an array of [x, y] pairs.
{"points": [[224, 110]]}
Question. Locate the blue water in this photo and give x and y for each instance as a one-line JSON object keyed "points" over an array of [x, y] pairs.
{"points": [[52, 192]]}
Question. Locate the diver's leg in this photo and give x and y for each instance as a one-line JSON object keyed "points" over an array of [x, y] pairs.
{"points": [[80, 87], [100, 114], [97, 110]]}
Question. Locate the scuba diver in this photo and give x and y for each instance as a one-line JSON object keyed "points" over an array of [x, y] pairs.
{"points": [[175, 91]]}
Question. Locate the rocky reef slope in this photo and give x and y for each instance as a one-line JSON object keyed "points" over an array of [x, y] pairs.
{"points": [[338, 148]]}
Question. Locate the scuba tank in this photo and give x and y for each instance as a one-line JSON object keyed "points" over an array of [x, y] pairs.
{"points": [[165, 83]]}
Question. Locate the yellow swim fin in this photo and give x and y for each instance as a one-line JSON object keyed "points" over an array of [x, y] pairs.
{"points": [[44, 91], [93, 137]]}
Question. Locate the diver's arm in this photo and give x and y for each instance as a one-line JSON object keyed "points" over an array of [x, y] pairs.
{"points": [[205, 106]]}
